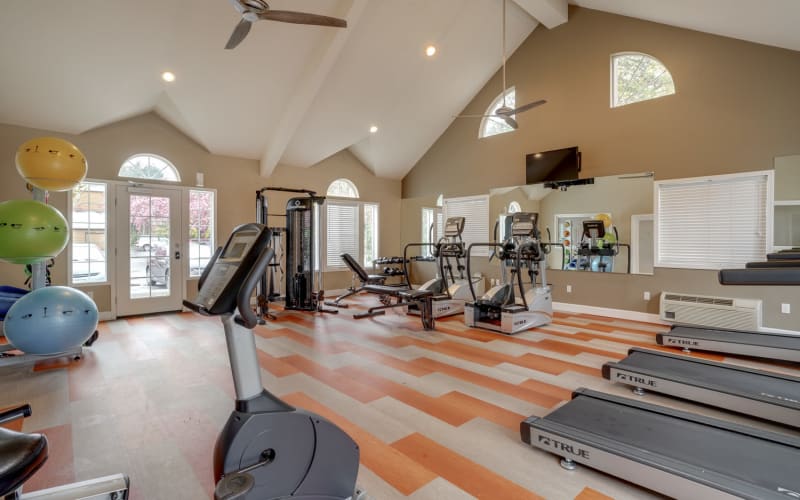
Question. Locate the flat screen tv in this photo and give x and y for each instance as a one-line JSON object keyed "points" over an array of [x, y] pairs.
{"points": [[557, 165]]}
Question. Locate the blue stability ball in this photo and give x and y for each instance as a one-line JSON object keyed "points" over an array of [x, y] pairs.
{"points": [[50, 320]]}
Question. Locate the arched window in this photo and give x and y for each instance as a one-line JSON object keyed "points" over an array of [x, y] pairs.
{"points": [[343, 188], [514, 207], [491, 125], [638, 77], [149, 167]]}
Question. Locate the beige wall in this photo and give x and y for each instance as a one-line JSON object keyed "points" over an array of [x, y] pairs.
{"points": [[736, 108], [236, 181]]}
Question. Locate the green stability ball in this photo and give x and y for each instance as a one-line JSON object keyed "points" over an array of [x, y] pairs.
{"points": [[31, 231]]}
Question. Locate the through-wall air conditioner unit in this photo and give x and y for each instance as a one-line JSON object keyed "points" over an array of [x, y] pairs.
{"points": [[714, 312]]}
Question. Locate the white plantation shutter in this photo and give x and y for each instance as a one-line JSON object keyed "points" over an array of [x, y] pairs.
{"points": [[475, 209], [713, 222], [342, 233]]}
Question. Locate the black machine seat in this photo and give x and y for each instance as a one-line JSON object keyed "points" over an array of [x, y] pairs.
{"points": [[359, 271], [21, 455]]}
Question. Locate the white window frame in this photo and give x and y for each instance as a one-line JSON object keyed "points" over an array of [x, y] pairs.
{"points": [[476, 227], [425, 230], [661, 262], [496, 103], [326, 267], [187, 220], [110, 205], [149, 179], [613, 73]]}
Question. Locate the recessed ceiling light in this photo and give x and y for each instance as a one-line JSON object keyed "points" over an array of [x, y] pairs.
{"points": [[168, 76], [373, 129], [430, 50]]}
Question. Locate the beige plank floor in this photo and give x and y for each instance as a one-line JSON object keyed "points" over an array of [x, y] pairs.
{"points": [[436, 414]]}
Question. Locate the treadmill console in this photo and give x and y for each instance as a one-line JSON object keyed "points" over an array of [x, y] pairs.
{"points": [[524, 224], [228, 269]]}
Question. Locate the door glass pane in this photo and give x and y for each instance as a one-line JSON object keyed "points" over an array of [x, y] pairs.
{"points": [[149, 246]]}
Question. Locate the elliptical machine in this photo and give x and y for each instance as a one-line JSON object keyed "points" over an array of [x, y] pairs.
{"points": [[501, 309], [450, 293], [267, 449]]}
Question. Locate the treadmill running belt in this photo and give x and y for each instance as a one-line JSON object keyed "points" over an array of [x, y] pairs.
{"points": [[730, 378], [731, 452], [733, 337]]}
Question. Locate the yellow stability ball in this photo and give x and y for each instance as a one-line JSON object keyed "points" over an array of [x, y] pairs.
{"points": [[51, 163]]}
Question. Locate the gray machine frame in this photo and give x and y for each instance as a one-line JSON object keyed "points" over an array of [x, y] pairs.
{"points": [[615, 435], [761, 345], [267, 449], [768, 395]]}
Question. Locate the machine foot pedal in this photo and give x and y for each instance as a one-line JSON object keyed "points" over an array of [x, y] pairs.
{"points": [[234, 486]]}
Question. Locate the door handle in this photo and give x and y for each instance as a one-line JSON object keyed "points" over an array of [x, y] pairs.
{"points": [[177, 255]]}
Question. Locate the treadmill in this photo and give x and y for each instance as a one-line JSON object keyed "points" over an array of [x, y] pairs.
{"points": [[762, 394], [673, 452], [761, 345]]}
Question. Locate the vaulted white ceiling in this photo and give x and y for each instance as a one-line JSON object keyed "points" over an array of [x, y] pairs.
{"points": [[294, 94]]}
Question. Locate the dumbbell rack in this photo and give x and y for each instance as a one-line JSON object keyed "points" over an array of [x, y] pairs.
{"points": [[390, 267]]}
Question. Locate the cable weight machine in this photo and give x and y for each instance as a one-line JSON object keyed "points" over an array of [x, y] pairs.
{"points": [[301, 275]]}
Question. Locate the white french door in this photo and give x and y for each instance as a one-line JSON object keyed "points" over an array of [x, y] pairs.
{"points": [[149, 253]]}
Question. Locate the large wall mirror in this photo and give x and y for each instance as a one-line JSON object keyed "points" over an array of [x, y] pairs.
{"points": [[604, 226]]}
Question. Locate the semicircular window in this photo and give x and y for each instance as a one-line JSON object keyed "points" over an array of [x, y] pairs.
{"points": [[637, 77], [149, 167], [492, 125], [343, 188]]}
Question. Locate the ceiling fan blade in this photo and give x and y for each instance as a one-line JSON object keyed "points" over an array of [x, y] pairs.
{"points": [[288, 16], [530, 105], [510, 121], [239, 32]]}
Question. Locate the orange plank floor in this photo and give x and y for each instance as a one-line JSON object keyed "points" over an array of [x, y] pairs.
{"points": [[436, 414]]}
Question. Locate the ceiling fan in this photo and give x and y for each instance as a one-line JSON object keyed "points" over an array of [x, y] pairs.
{"points": [[258, 10], [505, 112]]}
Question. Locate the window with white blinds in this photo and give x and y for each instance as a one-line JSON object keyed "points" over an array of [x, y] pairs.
{"points": [[475, 209], [342, 234], [350, 227], [713, 222]]}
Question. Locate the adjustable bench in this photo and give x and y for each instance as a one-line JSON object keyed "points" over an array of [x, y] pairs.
{"points": [[423, 299], [363, 277], [374, 283]]}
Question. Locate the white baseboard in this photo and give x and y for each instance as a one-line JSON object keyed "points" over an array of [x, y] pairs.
{"points": [[605, 311], [107, 316]]}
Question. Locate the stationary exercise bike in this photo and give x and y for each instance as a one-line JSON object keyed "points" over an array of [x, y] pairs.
{"points": [[267, 449], [23, 454]]}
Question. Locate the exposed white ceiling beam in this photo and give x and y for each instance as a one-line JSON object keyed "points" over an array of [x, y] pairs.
{"points": [[315, 74], [551, 13]]}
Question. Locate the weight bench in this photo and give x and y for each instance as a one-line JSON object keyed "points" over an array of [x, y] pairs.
{"points": [[361, 273], [423, 299]]}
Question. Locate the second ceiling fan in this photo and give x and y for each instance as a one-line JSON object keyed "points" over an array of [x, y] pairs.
{"points": [[259, 10], [505, 112]]}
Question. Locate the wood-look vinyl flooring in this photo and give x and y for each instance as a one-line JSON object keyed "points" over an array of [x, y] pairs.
{"points": [[436, 414]]}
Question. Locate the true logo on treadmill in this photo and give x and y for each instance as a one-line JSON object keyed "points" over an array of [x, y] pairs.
{"points": [[562, 446], [682, 342], [520, 322], [780, 398], [636, 379]]}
